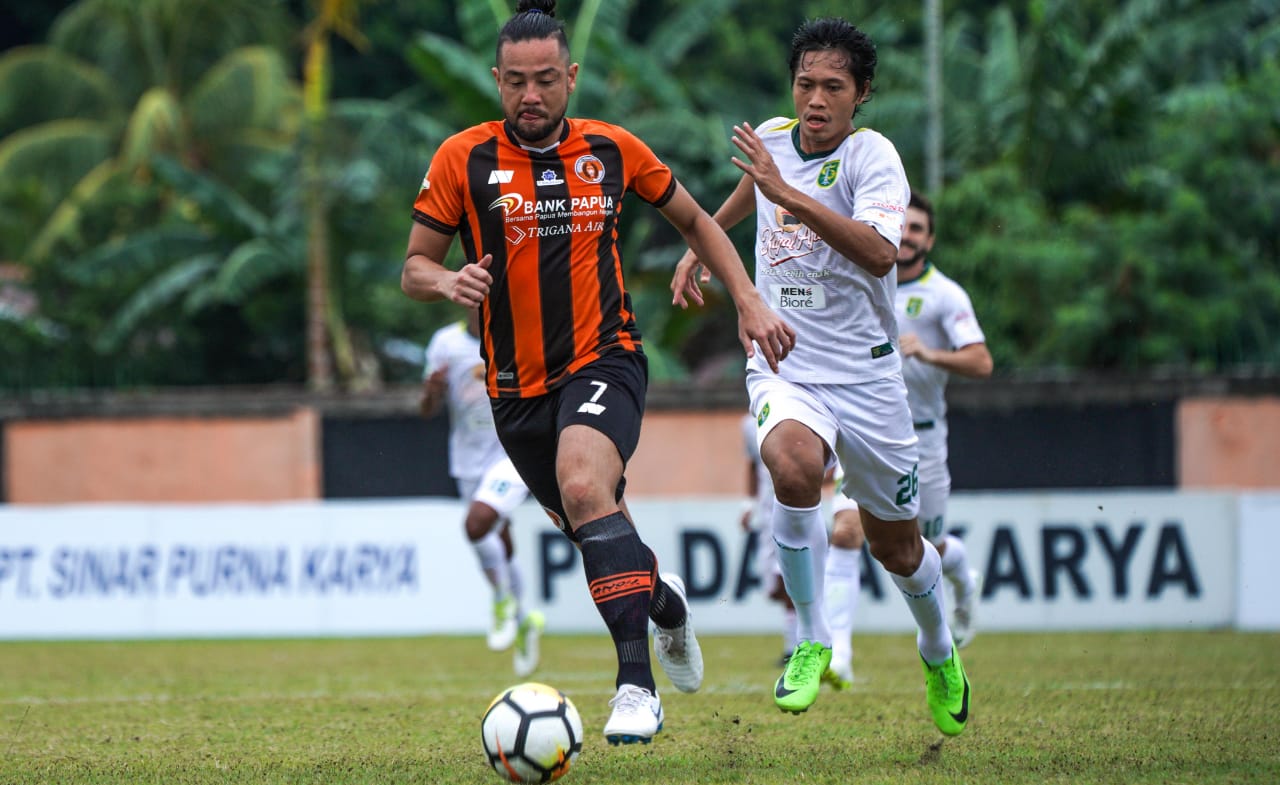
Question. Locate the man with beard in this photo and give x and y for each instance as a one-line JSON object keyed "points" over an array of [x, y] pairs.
{"points": [[535, 199], [830, 201]]}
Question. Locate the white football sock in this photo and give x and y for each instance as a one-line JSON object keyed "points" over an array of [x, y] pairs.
{"points": [[843, 584], [515, 578], [492, 555], [789, 629], [923, 592], [955, 565], [801, 536]]}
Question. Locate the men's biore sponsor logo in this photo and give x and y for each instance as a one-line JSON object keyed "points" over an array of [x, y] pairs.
{"points": [[229, 569], [797, 296]]}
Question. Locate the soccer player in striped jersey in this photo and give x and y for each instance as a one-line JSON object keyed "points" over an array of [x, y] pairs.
{"points": [[535, 199], [830, 201]]}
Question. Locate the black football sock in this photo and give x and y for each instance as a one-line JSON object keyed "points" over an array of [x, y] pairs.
{"points": [[619, 572], [665, 607]]}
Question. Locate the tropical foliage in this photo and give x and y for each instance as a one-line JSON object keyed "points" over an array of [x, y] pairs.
{"points": [[218, 191]]}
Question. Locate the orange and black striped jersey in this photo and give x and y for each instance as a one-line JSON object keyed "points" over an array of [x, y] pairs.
{"points": [[550, 220]]}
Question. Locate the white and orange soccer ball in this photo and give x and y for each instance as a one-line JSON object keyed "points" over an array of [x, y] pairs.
{"points": [[531, 733]]}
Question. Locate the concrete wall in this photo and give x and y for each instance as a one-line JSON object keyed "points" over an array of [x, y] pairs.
{"points": [[193, 459], [1229, 443], [273, 450]]}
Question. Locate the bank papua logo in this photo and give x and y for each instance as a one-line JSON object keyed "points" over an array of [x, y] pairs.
{"points": [[827, 174], [508, 202], [589, 169]]}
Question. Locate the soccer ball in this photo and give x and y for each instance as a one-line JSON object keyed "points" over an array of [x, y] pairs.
{"points": [[531, 733]]}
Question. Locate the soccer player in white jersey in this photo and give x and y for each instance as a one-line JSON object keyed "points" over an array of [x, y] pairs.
{"points": [[454, 375], [830, 201]]}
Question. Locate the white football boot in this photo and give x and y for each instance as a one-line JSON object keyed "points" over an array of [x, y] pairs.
{"points": [[528, 637], [677, 649], [637, 716]]}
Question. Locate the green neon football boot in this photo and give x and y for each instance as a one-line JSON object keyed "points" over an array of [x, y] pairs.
{"points": [[797, 687], [947, 689]]}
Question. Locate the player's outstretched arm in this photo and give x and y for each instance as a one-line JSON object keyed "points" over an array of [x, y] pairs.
{"points": [[690, 272], [758, 325]]}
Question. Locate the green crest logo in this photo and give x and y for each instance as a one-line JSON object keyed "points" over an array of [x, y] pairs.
{"points": [[913, 306], [827, 174], [764, 415]]}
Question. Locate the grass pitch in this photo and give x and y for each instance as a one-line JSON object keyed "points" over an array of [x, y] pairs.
{"points": [[1134, 707]]}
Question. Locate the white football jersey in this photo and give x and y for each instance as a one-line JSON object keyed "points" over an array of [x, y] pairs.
{"points": [[473, 439], [843, 315], [938, 310]]}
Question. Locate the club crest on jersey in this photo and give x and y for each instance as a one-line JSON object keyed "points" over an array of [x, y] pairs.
{"points": [[589, 169], [827, 174], [764, 415], [913, 306]]}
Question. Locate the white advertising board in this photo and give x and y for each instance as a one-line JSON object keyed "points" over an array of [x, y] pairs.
{"points": [[1103, 560], [1258, 583]]}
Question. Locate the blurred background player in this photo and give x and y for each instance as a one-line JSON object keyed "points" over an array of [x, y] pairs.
{"points": [[843, 583], [755, 518], [939, 336], [454, 375]]}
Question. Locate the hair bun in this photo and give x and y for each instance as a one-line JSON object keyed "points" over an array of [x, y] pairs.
{"points": [[547, 7]]}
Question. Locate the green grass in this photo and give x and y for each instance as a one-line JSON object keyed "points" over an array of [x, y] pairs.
{"points": [[1134, 707]]}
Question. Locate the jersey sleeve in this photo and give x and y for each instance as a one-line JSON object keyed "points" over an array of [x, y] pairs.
{"points": [[648, 177], [961, 323], [439, 204], [881, 192]]}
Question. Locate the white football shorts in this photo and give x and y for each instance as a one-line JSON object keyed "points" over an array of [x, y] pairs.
{"points": [[867, 426], [500, 487], [935, 489]]}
